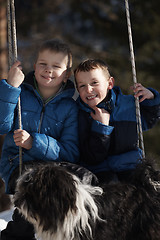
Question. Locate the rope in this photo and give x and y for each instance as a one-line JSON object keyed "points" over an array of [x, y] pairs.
{"points": [[138, 114], [10, 50], [12, 42]]}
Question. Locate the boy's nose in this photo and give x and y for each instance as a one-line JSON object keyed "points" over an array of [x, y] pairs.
{"points": [[48, 69], [89, 88]]}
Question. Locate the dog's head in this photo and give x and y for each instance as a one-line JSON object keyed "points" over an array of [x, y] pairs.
{"points": [[56, 202], [46, 194]]}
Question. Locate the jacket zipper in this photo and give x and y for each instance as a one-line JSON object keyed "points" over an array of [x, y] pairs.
{"points": [[41, 118], [43, 109]]}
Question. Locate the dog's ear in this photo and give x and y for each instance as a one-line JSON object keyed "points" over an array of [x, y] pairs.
{"points": [[82, 173], [25, 192]]}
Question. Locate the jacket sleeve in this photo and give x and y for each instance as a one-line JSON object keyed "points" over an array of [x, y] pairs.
{"points": [[94, 139], [150, 110], [64, 149], [124, 161], [8, 101]]}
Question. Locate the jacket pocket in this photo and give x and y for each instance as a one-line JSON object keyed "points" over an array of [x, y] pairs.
{"points": [[13, 158]]}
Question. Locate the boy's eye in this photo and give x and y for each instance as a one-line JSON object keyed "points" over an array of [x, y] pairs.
{"points": [[95, 83], [81, 86], [56, 66]]}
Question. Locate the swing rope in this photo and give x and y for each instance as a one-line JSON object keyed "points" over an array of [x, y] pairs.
{"points": [[138, 114], [12, 45]]}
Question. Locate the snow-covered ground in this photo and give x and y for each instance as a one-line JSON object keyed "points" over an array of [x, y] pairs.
{"points": [[5, 217]]}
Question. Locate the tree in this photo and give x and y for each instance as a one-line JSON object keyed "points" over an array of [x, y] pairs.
{"points": [[4, 199], [3, 39]]}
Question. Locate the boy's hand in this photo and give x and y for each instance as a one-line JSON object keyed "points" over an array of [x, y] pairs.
{"points": [[101, 115], [139, 90], [22, 139], [15, 75]]}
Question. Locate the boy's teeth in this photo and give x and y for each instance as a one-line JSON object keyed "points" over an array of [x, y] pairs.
{"points": [[91, 97]]}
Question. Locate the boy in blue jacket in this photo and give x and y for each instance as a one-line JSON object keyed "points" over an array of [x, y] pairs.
{"points": [[49, 121], [107, 121]]}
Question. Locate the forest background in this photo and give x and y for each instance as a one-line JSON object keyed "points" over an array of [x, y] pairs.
{"points": [[93, 29]]}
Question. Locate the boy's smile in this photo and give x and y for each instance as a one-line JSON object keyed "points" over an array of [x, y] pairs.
{"points": [[47, 78], [91, 97], [93, 86]]}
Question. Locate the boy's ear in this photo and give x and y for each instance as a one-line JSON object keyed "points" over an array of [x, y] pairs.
{"points": [[111, 83], [68, 74]]}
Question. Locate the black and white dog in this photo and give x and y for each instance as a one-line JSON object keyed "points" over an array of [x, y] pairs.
{"points": [[62, 206]]}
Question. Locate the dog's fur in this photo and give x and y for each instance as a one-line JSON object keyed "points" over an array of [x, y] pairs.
{"points": [[63, 207]]}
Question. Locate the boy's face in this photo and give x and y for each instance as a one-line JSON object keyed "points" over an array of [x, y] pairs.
{"points": [[93, 86], [50, 71]]}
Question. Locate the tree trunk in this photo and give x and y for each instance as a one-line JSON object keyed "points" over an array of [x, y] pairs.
{"points": [[3, 40], [5, 202]]}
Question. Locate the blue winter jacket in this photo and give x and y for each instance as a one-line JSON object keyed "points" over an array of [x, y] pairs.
{"points": [[114, 147], [53, 125]]}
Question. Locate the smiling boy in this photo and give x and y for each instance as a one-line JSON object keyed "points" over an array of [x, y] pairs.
{"points": [[49, 120], [107, 121]]}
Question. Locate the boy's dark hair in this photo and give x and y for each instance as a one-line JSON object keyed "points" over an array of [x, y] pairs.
{"points": [[91, 64], [57, 45]]}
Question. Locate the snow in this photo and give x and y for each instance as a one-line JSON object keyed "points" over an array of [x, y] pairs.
{"points": [[5, 217]]}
